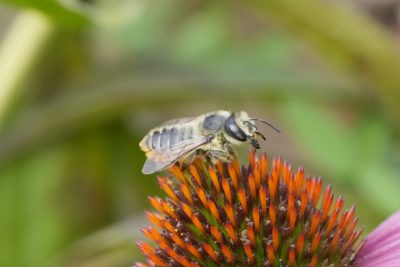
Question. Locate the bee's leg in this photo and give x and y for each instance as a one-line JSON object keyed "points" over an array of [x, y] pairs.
{"points": [[215, 156], [223, 155], [231, 152]]}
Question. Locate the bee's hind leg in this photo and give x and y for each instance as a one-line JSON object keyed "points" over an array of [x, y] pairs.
{"points": [[227, 155]]}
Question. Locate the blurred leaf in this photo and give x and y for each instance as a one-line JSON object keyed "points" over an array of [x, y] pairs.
{"points": [[110, 246], [379, 186], [355, 155], [31, 227], [108, 100], [376, 179], [54, 10], [145, 31], [270, 55], [346, 37], [329, 143], [201, 37]]}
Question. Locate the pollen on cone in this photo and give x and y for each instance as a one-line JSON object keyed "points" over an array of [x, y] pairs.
{"points": [[258, 214]]}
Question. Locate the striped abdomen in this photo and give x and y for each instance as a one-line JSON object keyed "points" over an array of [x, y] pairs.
{"points": [[167, 137]]}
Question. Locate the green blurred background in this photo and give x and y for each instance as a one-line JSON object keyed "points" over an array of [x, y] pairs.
{"points": [[81, 82]]}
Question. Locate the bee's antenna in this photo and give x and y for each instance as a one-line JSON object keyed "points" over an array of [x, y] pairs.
{"points": [[265, 122]]}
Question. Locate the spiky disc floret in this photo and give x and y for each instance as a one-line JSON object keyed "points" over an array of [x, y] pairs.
{"points": [[226, 215]]}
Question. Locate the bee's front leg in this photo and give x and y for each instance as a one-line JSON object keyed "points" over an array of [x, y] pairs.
{"points": [[231, 152]]}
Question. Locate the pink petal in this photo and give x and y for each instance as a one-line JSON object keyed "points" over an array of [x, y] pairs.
{"points": [[382, 248]]}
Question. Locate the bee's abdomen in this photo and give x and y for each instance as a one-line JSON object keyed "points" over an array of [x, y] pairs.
{"points": [[168, 137]]}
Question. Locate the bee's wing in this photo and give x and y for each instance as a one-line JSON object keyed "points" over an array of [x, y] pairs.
{"points": [[151, 166], [160, 159]]}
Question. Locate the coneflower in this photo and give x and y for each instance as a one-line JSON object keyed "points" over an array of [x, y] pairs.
{"points": [[382, 246], [250, 215]]}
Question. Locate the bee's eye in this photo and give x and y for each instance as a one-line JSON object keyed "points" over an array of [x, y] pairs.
{"points": [[233, 130]]}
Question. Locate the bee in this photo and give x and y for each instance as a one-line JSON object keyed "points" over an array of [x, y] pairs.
{"points": [[212, 134]]}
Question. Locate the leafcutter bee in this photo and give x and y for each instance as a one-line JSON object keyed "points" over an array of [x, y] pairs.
{"points": [[212, 134]]}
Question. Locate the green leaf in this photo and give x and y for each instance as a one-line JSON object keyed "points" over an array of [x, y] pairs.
{"points": [[202, 36], [54, 10], [32, 228], [353, 154], [347, 38], [380, 188], [326, 141]]}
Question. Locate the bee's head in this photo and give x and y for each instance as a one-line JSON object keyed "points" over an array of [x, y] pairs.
{"points": [[240, 128]]}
